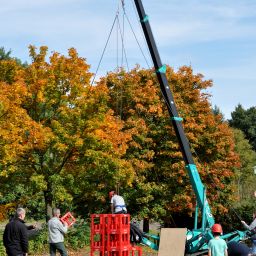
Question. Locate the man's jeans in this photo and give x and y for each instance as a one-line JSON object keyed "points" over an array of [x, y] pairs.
{"points": [[58, 247]]}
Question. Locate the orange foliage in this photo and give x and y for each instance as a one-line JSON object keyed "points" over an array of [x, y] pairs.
{"points": [[57, 125], [136, 98], [5, 209], [53, 122]]}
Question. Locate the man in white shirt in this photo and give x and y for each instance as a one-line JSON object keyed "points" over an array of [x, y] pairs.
{"points": [[57, 229], [117, 203]]}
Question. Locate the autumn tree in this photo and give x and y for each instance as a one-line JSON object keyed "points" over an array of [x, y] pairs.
{"points": [[75, 148], [162, 187], [14, 121], [74, 142]]}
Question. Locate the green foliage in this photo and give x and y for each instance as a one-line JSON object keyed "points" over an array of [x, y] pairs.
{"points": [[245, 178], [15, 192], [2, 248], [35, 206], [232, 220], [245, 120], [79, 235], [39, 242], [5, 55], [217, 112], [22, 195]]}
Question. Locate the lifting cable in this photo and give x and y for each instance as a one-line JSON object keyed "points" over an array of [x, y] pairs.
{"points": [[123, 54], [121, 32], [123, 51], [137, 41], [119, 109], [117, 38], [105, 47]]}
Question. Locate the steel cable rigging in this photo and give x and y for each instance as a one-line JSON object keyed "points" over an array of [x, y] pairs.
{"points": [[120, 34]]}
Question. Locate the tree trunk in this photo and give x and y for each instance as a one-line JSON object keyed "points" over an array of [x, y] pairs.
{"points": [[146, 225], [48, 198]]}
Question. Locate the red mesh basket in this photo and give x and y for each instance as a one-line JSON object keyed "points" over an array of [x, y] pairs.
{"points": [[68, 218]]}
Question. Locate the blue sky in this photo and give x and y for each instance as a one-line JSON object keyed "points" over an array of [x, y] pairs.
{"points": [[217, 38]]}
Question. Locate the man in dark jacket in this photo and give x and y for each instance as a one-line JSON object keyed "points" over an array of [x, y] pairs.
{"points": [[15, 236]]}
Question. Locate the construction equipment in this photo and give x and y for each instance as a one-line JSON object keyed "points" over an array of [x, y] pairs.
{"points": [[196, 239]]}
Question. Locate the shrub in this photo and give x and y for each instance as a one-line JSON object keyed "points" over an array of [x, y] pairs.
{"points": [[2, 249], [79, 235], [38, 240]]}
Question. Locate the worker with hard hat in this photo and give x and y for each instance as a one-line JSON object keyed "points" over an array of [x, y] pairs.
{"points": [[217, 246], [117, 203]]}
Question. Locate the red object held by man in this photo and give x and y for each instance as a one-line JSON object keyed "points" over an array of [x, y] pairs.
{"points": [[68, 218]]}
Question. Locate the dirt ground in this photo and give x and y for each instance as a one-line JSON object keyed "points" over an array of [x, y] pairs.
{"points": [[86, 252]]}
